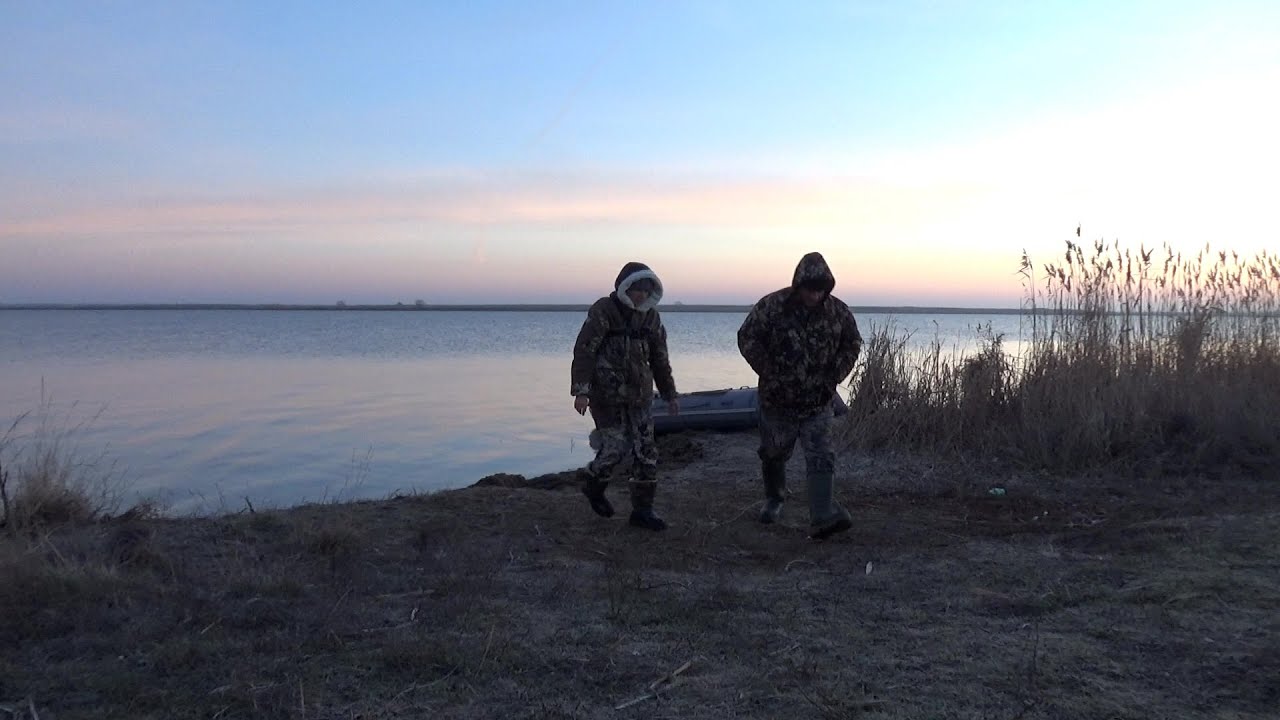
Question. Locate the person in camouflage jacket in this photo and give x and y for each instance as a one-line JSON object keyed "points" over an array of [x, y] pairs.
{"points": [[803, 342], [620, 353]]}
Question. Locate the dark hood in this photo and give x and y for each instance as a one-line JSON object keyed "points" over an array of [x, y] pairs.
{"points": [[813, 268]]}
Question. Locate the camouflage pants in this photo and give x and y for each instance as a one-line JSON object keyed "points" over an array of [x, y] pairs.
{"points": [[624, 432], [780, 429]]}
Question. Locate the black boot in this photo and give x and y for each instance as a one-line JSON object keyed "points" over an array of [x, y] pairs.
{"points": [[837, 523], [594, 489], [826, 517], [775, 484], [642, 514]]}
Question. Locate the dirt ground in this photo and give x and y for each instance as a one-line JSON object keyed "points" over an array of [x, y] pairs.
{"points": [[1048, 598]]}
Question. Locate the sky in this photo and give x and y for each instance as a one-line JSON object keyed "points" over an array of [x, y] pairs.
{"points": [[515, 152]]}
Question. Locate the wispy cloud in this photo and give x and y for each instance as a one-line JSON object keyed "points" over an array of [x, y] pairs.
{"points": [[596, 200]]}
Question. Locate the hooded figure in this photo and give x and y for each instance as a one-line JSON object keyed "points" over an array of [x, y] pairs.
{"points": [[620, 354], [803, 342]]}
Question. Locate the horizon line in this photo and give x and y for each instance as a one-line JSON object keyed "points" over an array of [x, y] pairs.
{"points": [[483, 307]]}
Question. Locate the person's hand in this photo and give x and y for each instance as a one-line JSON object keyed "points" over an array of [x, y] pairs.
{"points": [[673, 406], [581, 403]]}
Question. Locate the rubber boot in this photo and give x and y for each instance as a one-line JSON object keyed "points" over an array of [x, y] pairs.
{"points": [[642, 514], [775, 485], [826, 517], [594, 489]]}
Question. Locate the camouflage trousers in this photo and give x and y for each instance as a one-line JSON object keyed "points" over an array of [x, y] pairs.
{"points": [[780, 429], [624, 432]]}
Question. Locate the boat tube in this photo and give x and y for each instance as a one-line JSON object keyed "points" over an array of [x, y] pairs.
{"points": [[728, 409]]}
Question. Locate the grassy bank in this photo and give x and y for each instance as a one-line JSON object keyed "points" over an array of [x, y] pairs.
{"points": [[1078, 598]]}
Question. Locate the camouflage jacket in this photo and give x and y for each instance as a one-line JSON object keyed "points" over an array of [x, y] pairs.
{"points": [[619, 355], [801, 354]]}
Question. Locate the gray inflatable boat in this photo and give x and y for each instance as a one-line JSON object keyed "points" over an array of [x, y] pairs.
{"points": [[729, 409]]}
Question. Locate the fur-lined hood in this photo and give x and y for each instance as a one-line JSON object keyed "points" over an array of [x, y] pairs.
{"points": [[632, 272]]}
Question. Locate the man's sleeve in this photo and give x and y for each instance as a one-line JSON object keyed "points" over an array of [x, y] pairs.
{"points": [[752, 339], [584, 352], [660, 363], [850, 346]]}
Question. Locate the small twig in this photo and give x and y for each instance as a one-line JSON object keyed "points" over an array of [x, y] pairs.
{"points": [[302, 700], [31, 706], [636, 701], [334, 609], [798, 560], [415, 686], [406, 691], [671, 676], [453, 671], [249, 504]]}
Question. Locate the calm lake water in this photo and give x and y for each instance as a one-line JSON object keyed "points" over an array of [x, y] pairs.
{"points": [[206, 407]]}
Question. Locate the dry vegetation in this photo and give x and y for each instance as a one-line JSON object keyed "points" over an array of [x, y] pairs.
{"points": [[47, 477], [1142, 363], [1089, 570]]}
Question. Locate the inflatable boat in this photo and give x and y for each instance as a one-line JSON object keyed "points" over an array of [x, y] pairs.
{"points": [[729, 409]]}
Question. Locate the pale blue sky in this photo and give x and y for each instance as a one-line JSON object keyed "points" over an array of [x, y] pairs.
{"points": [[506, 152]]}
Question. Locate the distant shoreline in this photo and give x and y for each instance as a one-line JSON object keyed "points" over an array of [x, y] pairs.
{"points": [[531, 307]]}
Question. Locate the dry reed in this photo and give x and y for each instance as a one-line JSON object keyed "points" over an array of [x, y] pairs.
{"points": [[48, 475], [1146, 361]]}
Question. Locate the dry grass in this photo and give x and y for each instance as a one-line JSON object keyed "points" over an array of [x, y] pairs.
{"points": [[1136, 362], [1082, 598], [48, 476]]}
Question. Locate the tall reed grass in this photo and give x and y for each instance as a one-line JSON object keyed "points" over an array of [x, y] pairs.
{"points": [[1147, 361]]}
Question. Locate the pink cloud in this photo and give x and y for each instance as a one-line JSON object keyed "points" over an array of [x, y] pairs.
{"points": [[529, 202]]}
